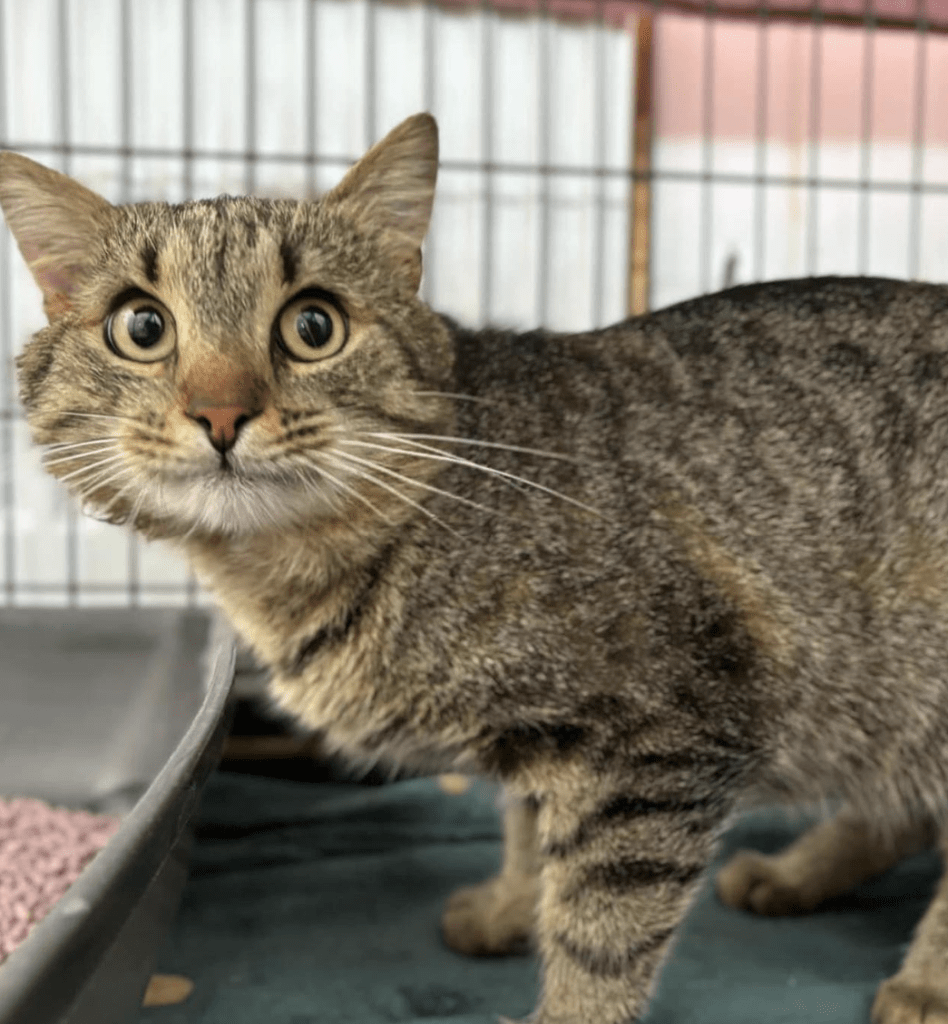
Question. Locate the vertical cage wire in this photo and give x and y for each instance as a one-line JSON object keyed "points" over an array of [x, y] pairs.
{"points": [[487, 157], [760, 146], [918, 140], [707, 150], [371, 50], [865, 168], [543, 159], [250, 97], [187, 99], [597, 117], [430, 265], [310, 99], [814, 136]]}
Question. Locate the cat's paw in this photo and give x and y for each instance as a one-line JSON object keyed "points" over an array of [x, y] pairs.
{"points": [[901, 1001], [491, 919], [752, 881]]}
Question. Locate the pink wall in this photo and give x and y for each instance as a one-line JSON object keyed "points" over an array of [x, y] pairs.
{"points": [[618, 12], [789, 52]]}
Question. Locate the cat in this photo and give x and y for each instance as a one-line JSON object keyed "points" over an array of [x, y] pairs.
{"points": [[642, 576]]}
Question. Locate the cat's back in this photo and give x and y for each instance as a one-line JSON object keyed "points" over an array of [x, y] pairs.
{"points": [[798, 426], [847, 334], [803, 374], [828, 396], [850, 335]]}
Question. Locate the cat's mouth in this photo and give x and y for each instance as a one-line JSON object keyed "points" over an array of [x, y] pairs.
{"points": [[236, 497]]}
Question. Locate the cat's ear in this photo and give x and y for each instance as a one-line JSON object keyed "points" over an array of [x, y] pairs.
{"points": [[392, 189], [57, 224]]}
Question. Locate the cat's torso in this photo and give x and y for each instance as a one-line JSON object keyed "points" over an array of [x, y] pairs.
{"points": [[766, 568]]}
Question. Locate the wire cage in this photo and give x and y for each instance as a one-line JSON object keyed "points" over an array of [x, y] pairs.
{"points": [[599, 158]]}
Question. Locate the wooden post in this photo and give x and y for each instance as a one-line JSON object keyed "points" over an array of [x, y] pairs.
{"points": [[641, 192]]}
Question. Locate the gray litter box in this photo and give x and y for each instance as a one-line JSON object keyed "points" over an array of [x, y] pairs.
{"points": [[119, 712]]}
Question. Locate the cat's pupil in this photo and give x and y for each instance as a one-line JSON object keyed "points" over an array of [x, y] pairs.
{"points": [[145, 327], [314, 326]]}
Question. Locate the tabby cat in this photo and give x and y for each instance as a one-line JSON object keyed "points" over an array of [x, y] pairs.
{"points": [[642, 576]]}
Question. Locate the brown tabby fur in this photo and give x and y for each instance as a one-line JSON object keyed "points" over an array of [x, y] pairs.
{"points": [[732, 587]]}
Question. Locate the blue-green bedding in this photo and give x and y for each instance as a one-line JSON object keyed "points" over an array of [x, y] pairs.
{"points": [[319, 904]]}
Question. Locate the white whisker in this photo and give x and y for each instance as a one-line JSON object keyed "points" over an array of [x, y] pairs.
{"points": [[307, 483], [440, 455], [116, 497], [418, 483], [88, 453], [90, 487], [95, 465], [349, 489], [480, 444], [192, 529], [62, 446], [136, 508], [325, 495], [342, 457], [104, 476]]}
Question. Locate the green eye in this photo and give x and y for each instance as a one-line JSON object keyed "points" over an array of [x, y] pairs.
{"points": [[311, 327], [141, 329]]}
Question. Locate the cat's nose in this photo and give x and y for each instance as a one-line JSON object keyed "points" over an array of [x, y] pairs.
{"points": [[221, 422]]}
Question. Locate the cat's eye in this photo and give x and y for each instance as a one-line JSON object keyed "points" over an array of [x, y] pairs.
{"points": [[141, 329], [311, 326]]}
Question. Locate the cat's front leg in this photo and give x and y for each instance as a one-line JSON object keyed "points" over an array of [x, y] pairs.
{"points": [[918, 994], [497, 916], [619, 870]]}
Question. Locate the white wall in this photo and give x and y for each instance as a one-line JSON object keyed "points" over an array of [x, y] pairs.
{"points": [[792, 230]]}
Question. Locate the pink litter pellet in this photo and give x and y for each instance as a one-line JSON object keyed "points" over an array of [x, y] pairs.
{"points": [[43, 850]]}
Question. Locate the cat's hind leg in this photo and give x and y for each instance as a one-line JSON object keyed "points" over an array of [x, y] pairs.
{"points": [[826, 861], [918, 994], [497, 916]]}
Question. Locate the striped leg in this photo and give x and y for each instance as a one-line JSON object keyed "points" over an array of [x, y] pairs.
{"points": [[497, 916], [919, 992], [619, 872]]}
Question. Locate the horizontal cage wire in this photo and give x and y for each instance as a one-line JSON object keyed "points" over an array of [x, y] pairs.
{"points": [[598, 158]]}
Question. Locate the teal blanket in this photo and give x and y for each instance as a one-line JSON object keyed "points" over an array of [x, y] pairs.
{"points": [[319, 904]]}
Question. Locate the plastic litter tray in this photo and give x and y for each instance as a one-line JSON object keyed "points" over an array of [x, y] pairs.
{"points": [[118, 712]]}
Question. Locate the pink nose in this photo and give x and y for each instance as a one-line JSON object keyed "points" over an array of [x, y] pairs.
{"points": [[222, 422]]}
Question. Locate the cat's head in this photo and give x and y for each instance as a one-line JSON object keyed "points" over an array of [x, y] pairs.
{"points": [[231, 365]]}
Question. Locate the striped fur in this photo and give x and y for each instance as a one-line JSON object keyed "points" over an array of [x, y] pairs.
{"points": [[642, 576]]}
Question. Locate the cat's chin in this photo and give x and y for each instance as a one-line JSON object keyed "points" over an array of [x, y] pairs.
{"points": [[234, 505]]}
